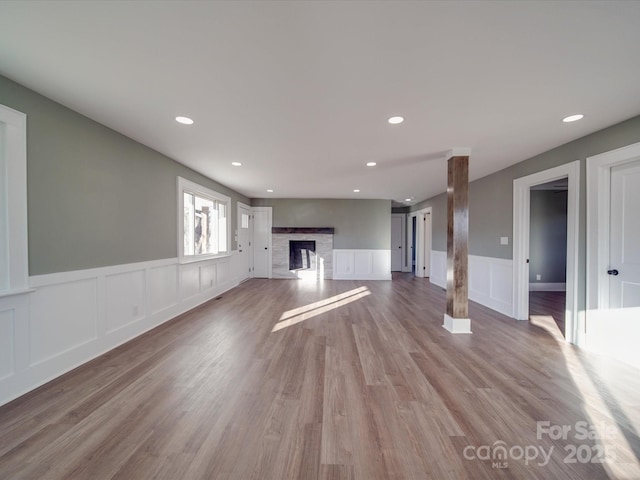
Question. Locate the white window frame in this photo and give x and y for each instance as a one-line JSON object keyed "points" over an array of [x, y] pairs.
{"points": [[187, 186]]}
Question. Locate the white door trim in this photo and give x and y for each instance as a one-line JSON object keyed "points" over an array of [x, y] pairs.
{"points": [[598, 212], [420, 242], [250, 250], [521, 200]]}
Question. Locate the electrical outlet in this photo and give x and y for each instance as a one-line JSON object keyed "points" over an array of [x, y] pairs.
{"points": [[504, 240], [538, 277], [211, 282], [135, 310]]}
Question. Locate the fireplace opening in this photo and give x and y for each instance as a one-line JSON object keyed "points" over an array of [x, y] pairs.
{"points": [[302, 255]]}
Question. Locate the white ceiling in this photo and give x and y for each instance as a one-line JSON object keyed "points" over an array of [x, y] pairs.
{"points": [[300, 92]]}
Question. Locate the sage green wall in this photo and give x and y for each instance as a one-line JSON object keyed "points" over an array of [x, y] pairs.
{"points": [[95, 197], [359, 224], [438, 206], [491, 197]]}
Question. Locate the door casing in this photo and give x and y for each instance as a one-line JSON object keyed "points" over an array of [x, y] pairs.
{"points": [[247, 248], [598, 218], [521, 220]]}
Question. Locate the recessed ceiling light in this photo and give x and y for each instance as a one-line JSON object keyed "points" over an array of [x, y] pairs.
{"points": [[395, 120], [407, 199], [371, 164], [269, 190], [356, 191], [184, 120], [572, 118], [236, 164]]}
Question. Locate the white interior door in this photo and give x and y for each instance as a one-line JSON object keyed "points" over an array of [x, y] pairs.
{"points": [[426, 267], [262, 242], [244, 242], [423, 243], [624, 234], [396, 243], [612, 324]]}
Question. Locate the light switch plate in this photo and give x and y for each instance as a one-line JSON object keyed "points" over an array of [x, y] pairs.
{"points": [[504, 240]]}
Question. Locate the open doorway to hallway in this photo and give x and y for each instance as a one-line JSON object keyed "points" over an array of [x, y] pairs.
{"points": [[420, 235], [569, 172], [548, 252]]}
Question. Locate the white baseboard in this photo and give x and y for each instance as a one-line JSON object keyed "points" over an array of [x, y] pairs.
{"points": [[490, 280], [70, 318], [547, 287], [361, 264]]}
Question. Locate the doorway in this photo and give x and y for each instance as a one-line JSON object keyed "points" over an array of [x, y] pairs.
{"points": [[521, 238], [421, 243], [613, 254], [244, 242], [548, 253]]}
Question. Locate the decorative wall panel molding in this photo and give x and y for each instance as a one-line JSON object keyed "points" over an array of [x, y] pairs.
{"points": [[362, 264], [490, 280], [70, 318]]}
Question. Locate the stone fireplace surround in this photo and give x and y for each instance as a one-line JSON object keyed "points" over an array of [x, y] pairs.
{"points": [[323, 236]]}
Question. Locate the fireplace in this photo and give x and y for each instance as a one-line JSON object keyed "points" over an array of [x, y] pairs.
{"points": [[302, 255], [302, 252]]}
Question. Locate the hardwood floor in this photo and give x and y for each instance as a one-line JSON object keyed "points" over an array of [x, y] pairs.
{"points": [[549, 304], [283, 379]]}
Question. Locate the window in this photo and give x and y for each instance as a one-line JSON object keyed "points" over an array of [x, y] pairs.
{"points": [[203, 221]]}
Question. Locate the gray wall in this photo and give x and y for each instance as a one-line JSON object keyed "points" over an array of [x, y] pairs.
{"points": [[548, 236], [359, 224], [491, 197], [95, 197], [438, 220]]}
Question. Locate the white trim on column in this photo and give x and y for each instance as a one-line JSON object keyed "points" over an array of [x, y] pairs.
{"points": [[457, 325], [521, 201]]}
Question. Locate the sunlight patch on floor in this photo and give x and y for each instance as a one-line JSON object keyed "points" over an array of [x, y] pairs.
{"points": [[603, 416], [547, 322], [300, 314]]}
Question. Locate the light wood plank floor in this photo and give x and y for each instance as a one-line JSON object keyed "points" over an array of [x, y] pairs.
{"points": [[287, 379], [551, 304]]}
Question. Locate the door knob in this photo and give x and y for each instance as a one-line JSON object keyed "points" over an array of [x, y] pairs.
{"points": [[265, 248], [613, 272]]}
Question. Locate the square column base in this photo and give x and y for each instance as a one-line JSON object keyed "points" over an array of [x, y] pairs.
{"points": [[457, 325]]}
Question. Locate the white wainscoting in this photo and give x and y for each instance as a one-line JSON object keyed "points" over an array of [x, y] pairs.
{"points": [[70, 318], [361, 264], [490, 280]]}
